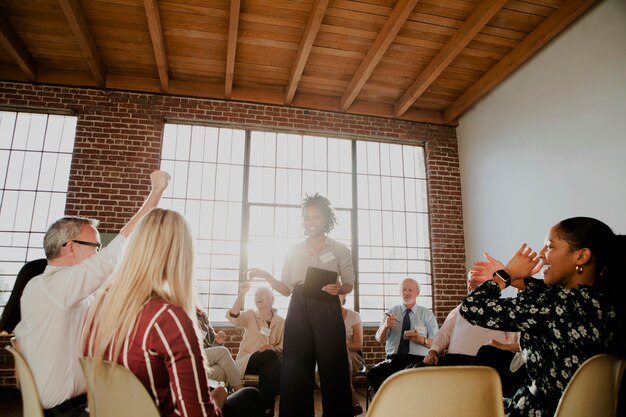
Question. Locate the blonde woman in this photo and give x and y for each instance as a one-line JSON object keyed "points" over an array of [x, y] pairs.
{"points": [[143, 320]]}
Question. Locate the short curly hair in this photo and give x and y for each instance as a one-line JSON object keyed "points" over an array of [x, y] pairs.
{"points": [[324, 204]]}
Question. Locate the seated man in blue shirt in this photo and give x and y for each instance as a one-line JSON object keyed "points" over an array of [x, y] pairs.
{"points": [[407, 332]]}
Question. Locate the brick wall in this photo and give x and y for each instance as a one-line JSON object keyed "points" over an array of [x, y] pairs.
{"points": [[118, 143]]}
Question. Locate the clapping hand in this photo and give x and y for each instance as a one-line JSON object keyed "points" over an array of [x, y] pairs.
{"points": [[483, 271], [524, 263]]}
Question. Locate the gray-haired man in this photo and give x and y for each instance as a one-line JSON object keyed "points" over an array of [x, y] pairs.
{"points": [[54, 304]]}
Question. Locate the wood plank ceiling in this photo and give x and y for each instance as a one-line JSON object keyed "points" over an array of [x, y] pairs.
{"points": [[419, 60]]}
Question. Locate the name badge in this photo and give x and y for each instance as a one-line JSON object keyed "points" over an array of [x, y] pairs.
{"points": [[327, 257], [266, 331]]}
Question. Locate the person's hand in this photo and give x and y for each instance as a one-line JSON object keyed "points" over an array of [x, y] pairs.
{"points": [[266, 347], [391, 319], [218, 395], [432, 358], [511, 347], [414, 336], [332, 289], [244, 287], [483, 271], [523, 264], [258, 273], [159, 180], [220, 337]]}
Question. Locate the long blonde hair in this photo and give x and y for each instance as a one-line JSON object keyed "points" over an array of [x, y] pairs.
{"points": [[157, 263]]}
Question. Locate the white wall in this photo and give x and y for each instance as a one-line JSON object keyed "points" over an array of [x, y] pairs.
{"points": [[549, 142]]}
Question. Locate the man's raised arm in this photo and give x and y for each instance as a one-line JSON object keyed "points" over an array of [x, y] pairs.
{"points": [[160, 180]]}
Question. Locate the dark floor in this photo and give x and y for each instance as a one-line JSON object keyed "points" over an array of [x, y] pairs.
{"points": [[11, 402]]}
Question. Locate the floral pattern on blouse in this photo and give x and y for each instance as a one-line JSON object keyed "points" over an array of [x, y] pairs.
{"points": [[560, 328]]}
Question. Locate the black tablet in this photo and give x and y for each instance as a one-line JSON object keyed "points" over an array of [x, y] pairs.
{"points": [[316, 279]]}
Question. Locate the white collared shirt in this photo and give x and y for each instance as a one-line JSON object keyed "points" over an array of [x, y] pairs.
{"points": [[54, 307], [458, 336]]}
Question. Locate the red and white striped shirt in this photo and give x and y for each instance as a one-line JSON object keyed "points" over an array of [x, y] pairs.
{"points": [[165, 355]]}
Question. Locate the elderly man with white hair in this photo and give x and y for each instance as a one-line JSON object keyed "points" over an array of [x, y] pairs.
{"points": [[261, 347], [407, 332]]}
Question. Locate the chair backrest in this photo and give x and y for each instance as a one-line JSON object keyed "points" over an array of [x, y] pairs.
{"points": [[448, 391], [31, 403], [594, 388], [116, 392]]}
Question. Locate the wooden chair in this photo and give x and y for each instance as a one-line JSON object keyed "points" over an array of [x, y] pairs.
{"points": [[116, 392], [594, 388], [451, 391], [31, 402]]}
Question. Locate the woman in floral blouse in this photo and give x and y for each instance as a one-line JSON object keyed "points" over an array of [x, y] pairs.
{"points": [[576, 311]]}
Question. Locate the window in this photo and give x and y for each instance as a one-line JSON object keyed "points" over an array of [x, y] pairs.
{"points": [[241, 192], [35, 158], [207, 169], [394, 237]]}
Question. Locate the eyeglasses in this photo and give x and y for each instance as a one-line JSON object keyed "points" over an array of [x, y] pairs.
{"points": [[96, 245]]}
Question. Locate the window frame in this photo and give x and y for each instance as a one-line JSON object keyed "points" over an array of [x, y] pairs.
{"points": [[354, 209]]}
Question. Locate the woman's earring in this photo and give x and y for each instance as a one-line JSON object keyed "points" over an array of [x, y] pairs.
{"points": [[579, 269]]}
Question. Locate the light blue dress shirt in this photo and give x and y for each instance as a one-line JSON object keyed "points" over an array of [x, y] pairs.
{"points": [[420, 316]]}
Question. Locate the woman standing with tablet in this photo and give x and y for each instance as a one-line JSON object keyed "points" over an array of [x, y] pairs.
{"points": [[314, 329]]}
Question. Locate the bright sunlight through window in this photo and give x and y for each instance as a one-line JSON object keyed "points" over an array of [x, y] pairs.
{"points": [[241, 191], [35, 158]]}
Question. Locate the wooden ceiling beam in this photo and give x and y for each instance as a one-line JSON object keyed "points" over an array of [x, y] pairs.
{"points": [[14, 45], [555, 23], [158, 42], [78, 25], [332, 104], [392, 26], [481, 16], [233, 28], [306, 43]]}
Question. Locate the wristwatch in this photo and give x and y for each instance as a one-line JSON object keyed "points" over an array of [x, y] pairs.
{"points": [[504, 276]]}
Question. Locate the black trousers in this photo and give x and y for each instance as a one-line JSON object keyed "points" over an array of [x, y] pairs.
{"points": [[74, 407], [451, 359], [314, 332], [244, 403], [394, 363], [500, 360], [267, 366]]}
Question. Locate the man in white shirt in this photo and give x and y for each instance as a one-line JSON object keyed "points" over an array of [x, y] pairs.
{"points": [[54, 304], [460, 340]]}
